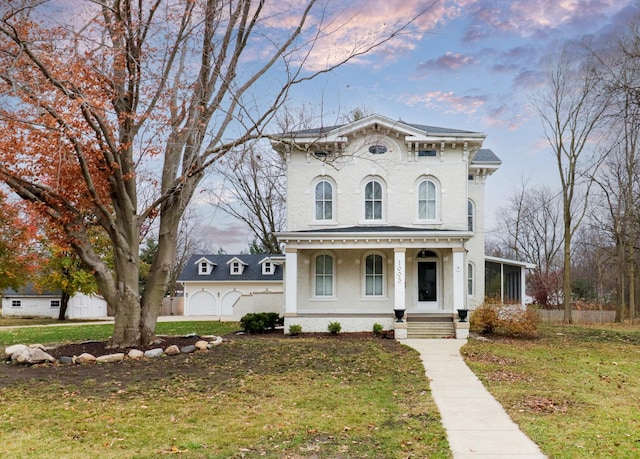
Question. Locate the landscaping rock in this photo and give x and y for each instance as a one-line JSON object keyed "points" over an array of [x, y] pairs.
{"points": [[40, 356], [37, 346], [202, 345], [188, 349], [153, 353], [22, 355], [217, 341], [172, 350], [110, 358], [135, 354], [10, 350], [65, 360], [84, 358]]}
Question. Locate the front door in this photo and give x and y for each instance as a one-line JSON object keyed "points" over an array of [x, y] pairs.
{"points": [[428, 285]]}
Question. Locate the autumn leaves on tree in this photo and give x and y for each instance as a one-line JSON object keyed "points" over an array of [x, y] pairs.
{"points": [[119, 100]]}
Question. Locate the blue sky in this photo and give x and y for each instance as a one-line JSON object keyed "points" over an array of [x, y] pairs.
{"points": [[469, 64]]}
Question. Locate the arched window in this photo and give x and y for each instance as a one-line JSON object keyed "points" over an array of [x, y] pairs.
{"points": [[427, 201], [470, 215], [324, 200], [324, 275], [470, 276], [373, 201], [374, 275]]}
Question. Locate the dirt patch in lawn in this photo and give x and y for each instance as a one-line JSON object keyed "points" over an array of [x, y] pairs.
{"points": [[238, 355]]}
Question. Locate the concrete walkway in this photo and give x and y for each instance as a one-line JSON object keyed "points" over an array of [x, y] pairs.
{"points": [[477, 425]]}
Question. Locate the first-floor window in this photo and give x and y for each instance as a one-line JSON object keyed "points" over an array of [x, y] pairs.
{"points": [[16, 303], [55, 303], [470, 279], [373, 275], [324, 275]]}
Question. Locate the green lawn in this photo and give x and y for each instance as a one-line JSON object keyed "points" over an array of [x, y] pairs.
{"points": [[252, 397], [575, 391]]}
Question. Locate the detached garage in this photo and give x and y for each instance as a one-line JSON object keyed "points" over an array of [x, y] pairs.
{"points": [[28, 302], [227, 287]]}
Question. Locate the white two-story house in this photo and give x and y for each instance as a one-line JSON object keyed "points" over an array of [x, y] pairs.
{"points": [[383, 215]]}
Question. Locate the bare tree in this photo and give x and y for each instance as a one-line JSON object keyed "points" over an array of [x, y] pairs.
{"points": [[253, 191], [620, 180], [530, 228], [121, 92], [572, 112]]}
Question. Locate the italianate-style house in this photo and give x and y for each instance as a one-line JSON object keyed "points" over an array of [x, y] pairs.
{"points": [[385, 219]]}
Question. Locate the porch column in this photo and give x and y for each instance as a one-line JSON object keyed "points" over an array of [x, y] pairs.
{"points": [[399, 277], [523, 285], [458, 278], [291, 282]]}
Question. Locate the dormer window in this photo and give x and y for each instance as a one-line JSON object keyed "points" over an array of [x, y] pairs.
{"points": [[236, 266], [205, 267], [268, 266]]}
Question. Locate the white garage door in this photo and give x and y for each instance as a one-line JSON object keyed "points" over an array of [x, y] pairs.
{"points": [[228, 301], [202, 304]]}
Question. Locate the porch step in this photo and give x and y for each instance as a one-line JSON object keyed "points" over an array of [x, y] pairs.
{"points": [[431, 329]]}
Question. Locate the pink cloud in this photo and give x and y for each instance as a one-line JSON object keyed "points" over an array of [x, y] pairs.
{"points": [[447, 61], [447, 102], [535, 17]]}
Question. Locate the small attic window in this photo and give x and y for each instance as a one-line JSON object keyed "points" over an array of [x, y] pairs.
{"points": [[204, 267], [377, 149], [322, 154], [425, 153], [236, 268], [268, 267]]}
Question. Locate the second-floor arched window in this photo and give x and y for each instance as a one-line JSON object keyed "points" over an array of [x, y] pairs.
{"points": [[324, 201], [373, 200], [427, 200]]}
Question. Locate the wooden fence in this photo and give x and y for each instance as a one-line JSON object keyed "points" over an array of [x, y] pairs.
{"points": [[579, 316]]}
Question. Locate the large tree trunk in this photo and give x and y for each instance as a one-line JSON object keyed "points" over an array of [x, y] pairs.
{"points": [[566, 275], [64, 303]]}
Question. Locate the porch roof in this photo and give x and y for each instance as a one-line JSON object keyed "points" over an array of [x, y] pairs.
{"points": [[505, 261], [381, 236]]}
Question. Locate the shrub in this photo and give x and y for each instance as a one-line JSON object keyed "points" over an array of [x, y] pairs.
{"points": [[295, 329], [377, 329], [484, 319], [259, 322], [508, 320], [334, 328]]}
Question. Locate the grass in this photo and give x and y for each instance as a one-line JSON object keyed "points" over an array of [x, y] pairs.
{"points": [[76, 333], [265, 397], [575, 391]]}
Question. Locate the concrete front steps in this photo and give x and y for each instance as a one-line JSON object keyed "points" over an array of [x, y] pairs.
{"points": [[430, 326]]}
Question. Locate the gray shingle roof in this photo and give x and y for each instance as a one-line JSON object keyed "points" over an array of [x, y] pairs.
{"points": [[222, 271], [485, 155], [422, 127]]}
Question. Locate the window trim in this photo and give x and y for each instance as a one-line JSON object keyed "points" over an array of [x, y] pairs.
{"points": [[471, 216], [314, 277], [381, 276], [332, 209], [372, 181], [436, 200]]}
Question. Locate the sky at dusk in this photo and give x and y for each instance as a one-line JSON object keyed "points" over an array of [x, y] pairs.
{"points": [[468, 64]]}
